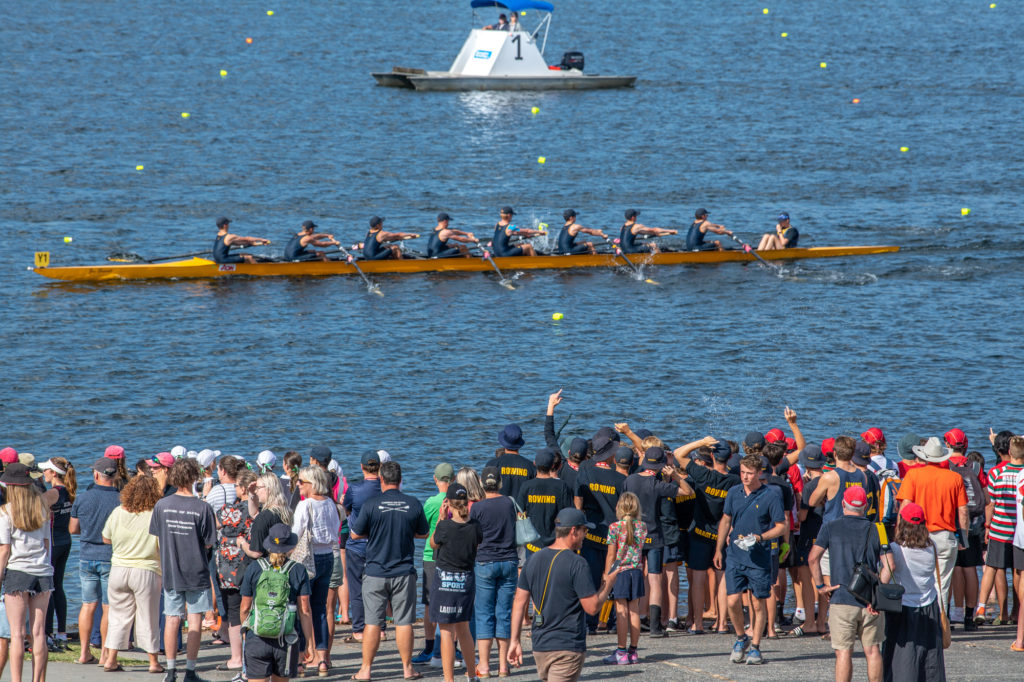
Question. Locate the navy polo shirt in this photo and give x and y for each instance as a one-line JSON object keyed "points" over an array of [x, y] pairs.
{"points": [[754, 513], [92, 507]]}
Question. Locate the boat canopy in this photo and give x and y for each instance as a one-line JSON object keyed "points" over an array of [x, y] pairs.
{"points": [[514, 5]]}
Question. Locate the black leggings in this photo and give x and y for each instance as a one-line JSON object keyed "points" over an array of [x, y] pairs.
{"points": [[58, 598]]}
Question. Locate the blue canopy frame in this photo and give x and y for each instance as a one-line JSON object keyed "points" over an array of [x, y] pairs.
{"points": [[514, 5]]}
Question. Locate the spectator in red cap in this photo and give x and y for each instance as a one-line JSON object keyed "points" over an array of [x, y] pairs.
{"points": [[957, 440], [828, 451], [159, 468], [913, 637], [8, 455], [849, 539], [876, 439], [116, 453]]}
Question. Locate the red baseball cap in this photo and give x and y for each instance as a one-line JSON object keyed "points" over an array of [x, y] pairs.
{"points": [[955, 438], [828, 446], [8, 455], [163, 459], [912, 513], [873, 435], [114, 452], [775, 436], [856, 497], [790, 444]]}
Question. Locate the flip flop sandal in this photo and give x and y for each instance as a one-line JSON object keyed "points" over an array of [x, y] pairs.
{"points": [[91, 660], [116, 669], [350, 639], [414, 676], [1014, 647]]}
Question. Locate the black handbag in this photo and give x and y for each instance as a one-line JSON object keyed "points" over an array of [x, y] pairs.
{"points": [[863, 583], [889, 596]]}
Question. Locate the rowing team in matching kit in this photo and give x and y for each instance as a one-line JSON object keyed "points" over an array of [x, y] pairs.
{"points": [[447, 242]]}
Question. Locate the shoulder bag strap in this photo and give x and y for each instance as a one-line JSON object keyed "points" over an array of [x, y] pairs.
{"points": [[883, 539], [544, 594]]}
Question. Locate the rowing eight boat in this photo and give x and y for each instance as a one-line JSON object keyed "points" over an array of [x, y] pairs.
{"points": [[196, 268]]}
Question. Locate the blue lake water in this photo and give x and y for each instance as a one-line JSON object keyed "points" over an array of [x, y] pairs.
{"points": [[727, 114]]}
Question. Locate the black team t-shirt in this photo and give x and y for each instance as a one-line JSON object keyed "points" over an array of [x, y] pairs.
{"points": [[650, 490], [515, 471], [542, 499], [599, 485], [564, 627], [711, 487], [456, 544]]}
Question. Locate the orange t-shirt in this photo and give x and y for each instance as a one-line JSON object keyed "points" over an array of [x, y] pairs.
{"points": [[939, 492]]}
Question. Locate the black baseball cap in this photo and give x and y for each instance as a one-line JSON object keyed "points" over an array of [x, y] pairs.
{"points": [[624, 455], [861, 454], [306, 224], [441, 217], [221, 222], [104, 466], [375, 221], [321, 453], [700, 213], [370, 457], [811, 457], [490, 476], [571, 517], [568, 213], [456, 491], [631, 213], [507, 210], [754, 439], [721, 451], [546, 457], [654, 458]]}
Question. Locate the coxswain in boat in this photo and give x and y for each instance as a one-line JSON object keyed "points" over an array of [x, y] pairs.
{"points": [[298, 246], [502, 24], [631, 229], [699, 229], [438, 245], [567, 245], [225, 240], [503, 231], [785, 236], [376, 246]]}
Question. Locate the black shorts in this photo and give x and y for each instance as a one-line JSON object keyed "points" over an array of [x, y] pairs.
{"points": [[266, 657], [1018, 559], [511, 253], [674, 554], [801, 550], [702, 553], [1000, 555], [233, 605], [972, 556], [19, 581], [428, 581]]}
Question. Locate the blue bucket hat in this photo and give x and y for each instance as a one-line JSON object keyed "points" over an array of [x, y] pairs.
{"points": [[511, 437]]}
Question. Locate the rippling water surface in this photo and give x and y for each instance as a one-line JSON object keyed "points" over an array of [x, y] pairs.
{"points": [[727, 114]]}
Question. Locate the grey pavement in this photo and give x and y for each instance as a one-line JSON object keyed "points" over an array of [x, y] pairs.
{"points": [[984, 655]]}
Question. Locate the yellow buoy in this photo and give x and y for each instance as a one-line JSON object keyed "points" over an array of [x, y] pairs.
{"points": [[541, 159], [535, 111], [523, 13], [965, 211], [764, 11], [557, 316], [68, 240], [185, 114], [270, 12], [784, 35], [823, 64], [223, 73], [992, 6], [904, 149], [139, 167]]}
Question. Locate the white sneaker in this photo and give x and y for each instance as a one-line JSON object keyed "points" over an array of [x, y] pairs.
{"points": [[798, 614], [435, 662]]}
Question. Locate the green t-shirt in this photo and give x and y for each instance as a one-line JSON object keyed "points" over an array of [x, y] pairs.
{"points": [[432, 508]]}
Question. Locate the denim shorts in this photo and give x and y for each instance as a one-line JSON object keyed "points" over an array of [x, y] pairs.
{"points": [[5, 627], [196, 601], [94, 576]]}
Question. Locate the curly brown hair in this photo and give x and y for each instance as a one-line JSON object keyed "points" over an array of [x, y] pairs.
{"points": [[140, 494]]}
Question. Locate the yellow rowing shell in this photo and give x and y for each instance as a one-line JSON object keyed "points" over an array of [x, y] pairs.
{"points": [[196, 268]]}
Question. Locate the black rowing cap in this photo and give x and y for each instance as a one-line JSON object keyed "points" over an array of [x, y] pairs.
{"points": [[376, 221], [632, 213], [443, 217], [701, 212], [507, 210], [221, 222], [568, 213], [308, 224]]}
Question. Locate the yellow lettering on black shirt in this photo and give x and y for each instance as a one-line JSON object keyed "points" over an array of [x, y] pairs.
{"points": [[540, 499]]}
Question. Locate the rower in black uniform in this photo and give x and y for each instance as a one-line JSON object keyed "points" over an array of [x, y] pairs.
{"points": [[631, 229], [438, 245], [298, 246], [699, 228], [785, 236], [567, 237], [503, 231], [225, 240], [375, 246]]}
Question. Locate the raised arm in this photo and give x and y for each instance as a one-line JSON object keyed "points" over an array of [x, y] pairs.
{"points": [[798, 436], [623, 428], [682, 453], [550, 437]]}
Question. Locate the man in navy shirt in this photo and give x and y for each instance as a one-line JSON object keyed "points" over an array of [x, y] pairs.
{"points": [[355, 549], [390, 522], [751, 519], [88, 516]]}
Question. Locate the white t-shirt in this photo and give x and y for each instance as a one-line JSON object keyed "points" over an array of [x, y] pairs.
{"points": [[30, 551], [915, 570], [324, 523]]}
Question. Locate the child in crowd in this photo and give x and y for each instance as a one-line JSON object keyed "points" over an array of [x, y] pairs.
{"points": [[626, 539]]}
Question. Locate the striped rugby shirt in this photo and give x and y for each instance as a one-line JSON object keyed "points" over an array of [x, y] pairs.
{"points": [[1002, 489]]}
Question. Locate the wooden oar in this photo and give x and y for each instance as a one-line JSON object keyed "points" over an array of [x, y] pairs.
{"points": [[370, 286], [747, 248], [619, 252], [501, 278]]}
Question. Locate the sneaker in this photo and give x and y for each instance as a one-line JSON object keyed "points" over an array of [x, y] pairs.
{"points": [[970, 625], [634, 658], [673, 626], [979, 615], [617, 657], [423, 657], [754, 656], [192, 676], [435, 662], [170, 675], [739, 649]]}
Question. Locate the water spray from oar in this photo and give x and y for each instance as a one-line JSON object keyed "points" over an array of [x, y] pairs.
{"points": [[502, 280], [370, 286], [620, 253], [748, 249]]}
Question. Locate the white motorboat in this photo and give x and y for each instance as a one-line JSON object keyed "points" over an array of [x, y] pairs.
{"points": [[507, 58]]}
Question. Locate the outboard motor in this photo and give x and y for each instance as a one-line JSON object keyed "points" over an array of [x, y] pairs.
{"points": [[572, 60]]}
